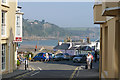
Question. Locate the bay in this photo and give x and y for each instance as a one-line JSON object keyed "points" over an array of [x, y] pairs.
{"points": [[40, 42]]}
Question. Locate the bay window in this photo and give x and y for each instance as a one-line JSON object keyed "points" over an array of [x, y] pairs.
{"points": [[3, 56], [3, 25], [18, 25], [4, 1]]}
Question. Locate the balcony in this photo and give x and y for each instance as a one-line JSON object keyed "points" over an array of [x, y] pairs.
{"points": [[111, 8], [98, 18]]}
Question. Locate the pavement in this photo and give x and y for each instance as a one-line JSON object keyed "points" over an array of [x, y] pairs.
{"points": [[21, 70], [55, 70], [88, 73]]}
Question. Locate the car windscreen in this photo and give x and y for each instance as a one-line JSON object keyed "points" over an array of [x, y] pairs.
{"points": [[40, 54], [79, 56], [59, 54], [66, 54]]}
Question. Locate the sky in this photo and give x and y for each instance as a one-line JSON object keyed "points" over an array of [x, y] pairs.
{"points": [[63, 14]]}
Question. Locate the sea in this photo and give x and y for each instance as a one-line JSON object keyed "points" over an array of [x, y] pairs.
{"points": [[42, 42]]}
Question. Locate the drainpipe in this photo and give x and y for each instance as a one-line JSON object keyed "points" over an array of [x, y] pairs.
{"points": [[9, 56], [16, 57]]}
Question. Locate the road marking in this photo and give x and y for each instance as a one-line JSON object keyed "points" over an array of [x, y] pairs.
{"points": [[35, 73], [80, 68], [25, 73], [71, 77], [39, 68], [33, 68]]}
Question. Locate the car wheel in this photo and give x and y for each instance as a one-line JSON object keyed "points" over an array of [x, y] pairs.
{"points": [[76, 60], [34, 60], [68, 59], [61, 59], [73, 61]]}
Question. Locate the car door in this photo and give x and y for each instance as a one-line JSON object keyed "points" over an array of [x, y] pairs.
{"points": [[40, 56], [84, 58], [36, 57]]}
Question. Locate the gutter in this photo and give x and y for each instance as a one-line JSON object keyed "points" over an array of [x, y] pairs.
{"points": [[110, 9]]}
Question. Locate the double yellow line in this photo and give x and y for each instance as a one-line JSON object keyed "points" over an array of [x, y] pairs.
{"points": [[25, 74], [73, 74]]}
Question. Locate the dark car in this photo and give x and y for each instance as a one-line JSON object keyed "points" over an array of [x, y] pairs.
{"points": [[41, 57], [80, 58]]}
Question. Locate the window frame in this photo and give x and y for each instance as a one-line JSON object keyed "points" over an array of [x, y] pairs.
{"points": [[3, 27], [4, 3], [3, 63], [18, 26]]}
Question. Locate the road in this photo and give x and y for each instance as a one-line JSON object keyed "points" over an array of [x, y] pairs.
{"points": [[53, 70]]}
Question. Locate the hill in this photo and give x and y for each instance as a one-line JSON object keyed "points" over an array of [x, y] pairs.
{"points": [[42, 29], [47, 30], [92, 32]]}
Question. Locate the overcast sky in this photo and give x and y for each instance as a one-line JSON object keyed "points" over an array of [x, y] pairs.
{"points": [[63, 14]]}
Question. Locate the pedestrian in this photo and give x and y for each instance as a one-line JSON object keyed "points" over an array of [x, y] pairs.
{"points": [[53, 56], [95, 56], [91, 60], [47, 57], [35, 48], [88, 60]]}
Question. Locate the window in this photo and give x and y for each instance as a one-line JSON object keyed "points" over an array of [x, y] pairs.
{"points": [[18, 26], [3, 56], [3, 28], [4, 1]]}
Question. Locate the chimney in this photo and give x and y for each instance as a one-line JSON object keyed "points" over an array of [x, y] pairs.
{"points": [[88, 40], [81, 40]]}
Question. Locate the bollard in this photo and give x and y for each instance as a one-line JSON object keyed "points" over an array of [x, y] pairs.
{"points": [[25, 65]]}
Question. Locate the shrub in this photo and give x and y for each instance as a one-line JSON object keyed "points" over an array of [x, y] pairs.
{"points": [[18, 63]]}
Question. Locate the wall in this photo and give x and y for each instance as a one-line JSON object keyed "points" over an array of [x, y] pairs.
{"points": [[110, 48], [8, 40]]}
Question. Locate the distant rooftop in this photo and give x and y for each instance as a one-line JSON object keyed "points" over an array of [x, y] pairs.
{"points": [[62, 46]]}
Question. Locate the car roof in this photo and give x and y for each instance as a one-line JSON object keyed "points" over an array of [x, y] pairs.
{"points": [[41, 53]]}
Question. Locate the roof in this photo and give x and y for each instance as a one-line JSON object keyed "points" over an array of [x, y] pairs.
{"points": [[63, 46], [73, 48], [84, 48], [98, 40], [79, 43]]}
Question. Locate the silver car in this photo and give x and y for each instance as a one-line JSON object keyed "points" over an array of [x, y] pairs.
{"points": [[59, 57], [62, 56], [80, 58]]}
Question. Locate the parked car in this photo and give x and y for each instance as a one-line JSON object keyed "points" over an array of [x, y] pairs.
{"points": [[80, 58], [41, 57], [62, 56], [66, 56], [59, 56]]}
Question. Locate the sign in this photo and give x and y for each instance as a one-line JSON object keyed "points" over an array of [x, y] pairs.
{"points": [[18, 28], [18, 39]]}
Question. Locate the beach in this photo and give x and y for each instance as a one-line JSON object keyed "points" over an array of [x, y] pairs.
{"points": [[31, 48]]}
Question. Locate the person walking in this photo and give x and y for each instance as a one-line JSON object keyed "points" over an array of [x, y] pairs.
{"points": [[95, 56], [88, 60], [91, 60], [47, 57]]}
